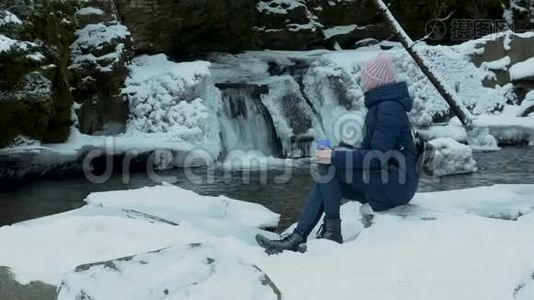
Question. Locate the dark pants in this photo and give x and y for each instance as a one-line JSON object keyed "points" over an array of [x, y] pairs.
{"points": [[331, 186]]}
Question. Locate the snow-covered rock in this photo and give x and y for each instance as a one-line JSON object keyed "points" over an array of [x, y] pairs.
{"points": [[96, 36], [522, 70], [452, 157], [509, 128], [439, 247], [100, 46], [176, 204], [123, 223], [453, 129], [98, 70], [8, 44], [337, 30], [480, 139], [194, 271], [8, 18], [89, 11], [175, 101]]}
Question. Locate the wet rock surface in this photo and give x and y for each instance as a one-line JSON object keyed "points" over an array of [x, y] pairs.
{"points": [[190, 27], [13, 290]]}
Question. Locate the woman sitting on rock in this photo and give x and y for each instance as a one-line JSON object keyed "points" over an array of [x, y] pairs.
{"points": [[381, 173]]}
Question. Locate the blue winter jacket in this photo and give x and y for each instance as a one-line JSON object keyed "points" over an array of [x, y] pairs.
{"points": [[387, 150]]}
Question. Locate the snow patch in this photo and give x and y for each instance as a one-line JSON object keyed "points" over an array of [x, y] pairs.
{"points": [[7, 44], [499, 64], [7, 18], [337, 30], [96, 36], [278, 6], [89, 11], [522, 70]]}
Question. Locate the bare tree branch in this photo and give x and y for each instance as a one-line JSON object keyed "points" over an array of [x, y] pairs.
{"points": [[439, 83]]}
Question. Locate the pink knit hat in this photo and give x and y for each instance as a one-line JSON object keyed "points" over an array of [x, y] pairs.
{"points": [[378, 72]]}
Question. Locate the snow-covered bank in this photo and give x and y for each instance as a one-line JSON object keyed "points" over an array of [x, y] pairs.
{"points": [[509, 129], [167, 243], [277, 102], [122, 223]]}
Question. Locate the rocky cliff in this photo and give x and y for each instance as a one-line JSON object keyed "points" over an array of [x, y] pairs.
{"points": [[192, 27], [56, 58], [64, 62], [35, 100]]}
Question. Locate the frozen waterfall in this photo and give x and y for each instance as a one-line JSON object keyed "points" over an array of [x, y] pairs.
{"points": [[245, 123]]}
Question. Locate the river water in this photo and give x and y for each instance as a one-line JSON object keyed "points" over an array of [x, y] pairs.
{"points": [[285, 195]]}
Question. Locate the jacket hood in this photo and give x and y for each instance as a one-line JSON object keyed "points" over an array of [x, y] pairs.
{"points": [[391, 92]]}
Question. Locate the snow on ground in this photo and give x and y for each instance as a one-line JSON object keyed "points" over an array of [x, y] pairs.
{"points": [[508, 202], [464, 244]]}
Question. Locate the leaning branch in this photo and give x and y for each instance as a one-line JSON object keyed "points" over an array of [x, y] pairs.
{"points": [[446, 92]]}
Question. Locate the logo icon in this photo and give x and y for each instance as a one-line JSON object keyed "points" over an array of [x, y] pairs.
{"points": [[435, 30]]}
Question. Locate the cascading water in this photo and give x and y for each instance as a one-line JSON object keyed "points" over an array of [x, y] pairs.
{"points": [[275, 99], [245, 123]]}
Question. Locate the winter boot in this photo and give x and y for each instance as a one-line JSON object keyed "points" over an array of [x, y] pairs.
{"points": [[331, 230], [293, 242]]}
